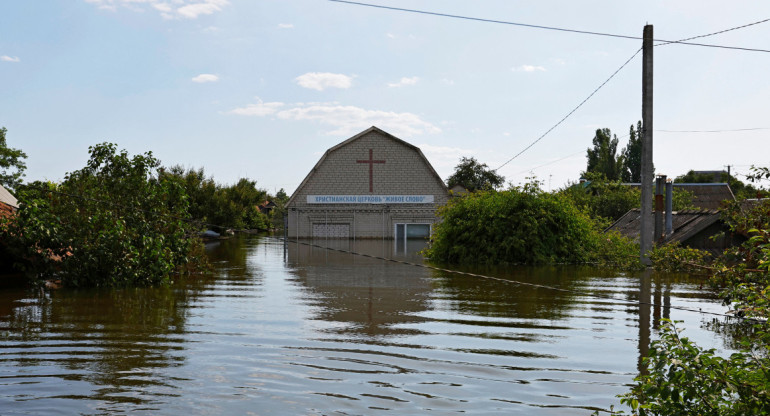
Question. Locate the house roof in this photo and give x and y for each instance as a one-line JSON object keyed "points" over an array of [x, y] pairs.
{"points": [[705, 195], [7, 198], [686, 223], [356, 137]]}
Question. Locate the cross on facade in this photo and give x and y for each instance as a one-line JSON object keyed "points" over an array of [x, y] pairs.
{"points": [[371, 163]]}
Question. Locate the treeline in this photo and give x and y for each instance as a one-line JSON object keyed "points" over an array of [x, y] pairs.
{"points": [[124, 220], [227, 206]]}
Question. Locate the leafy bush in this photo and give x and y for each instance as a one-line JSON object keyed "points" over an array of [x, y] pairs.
{"points": [[521, 225], [112, 223], [675, 258], [685, 379]]}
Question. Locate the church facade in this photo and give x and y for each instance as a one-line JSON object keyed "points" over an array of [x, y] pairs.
{"points": [[372, 185]]}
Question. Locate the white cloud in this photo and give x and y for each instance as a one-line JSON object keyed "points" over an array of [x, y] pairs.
{"points": [[345, 120], [444, 157], [321, 80], [390, 35], [168, 9], [6, 58], [260, 109], [205, 78], [403, 82], [529, 68], [448, 81], [559, 61], [285, 26]]}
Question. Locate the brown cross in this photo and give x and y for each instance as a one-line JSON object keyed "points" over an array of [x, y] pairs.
{"points": [[371, 163]]}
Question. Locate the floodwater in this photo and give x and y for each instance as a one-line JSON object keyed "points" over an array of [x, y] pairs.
{"points": [[300, 330]]}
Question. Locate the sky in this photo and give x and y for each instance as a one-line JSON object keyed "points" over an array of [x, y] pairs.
{"points": [[260, 89]]}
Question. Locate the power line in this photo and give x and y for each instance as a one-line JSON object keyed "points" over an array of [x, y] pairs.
{"points": [[512, 281], [714, 131], [560, 29], [715, 33], [550, 163], [573, 110], [565, 157]]}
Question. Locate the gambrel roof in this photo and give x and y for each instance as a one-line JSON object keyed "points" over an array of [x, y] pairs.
{"points": [[382, 133]]}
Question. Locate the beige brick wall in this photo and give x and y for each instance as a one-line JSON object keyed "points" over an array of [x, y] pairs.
{"points": [[403, 173]]}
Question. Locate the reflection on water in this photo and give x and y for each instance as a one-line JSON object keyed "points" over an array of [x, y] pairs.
{"points": [[295, 329]]}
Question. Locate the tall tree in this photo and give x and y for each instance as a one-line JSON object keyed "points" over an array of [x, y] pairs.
{"points": [[474, 176], [11, 163], [632, 155], [603, 157]]}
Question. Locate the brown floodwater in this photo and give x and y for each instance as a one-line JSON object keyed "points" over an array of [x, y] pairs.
{"points": [[298, 330]]}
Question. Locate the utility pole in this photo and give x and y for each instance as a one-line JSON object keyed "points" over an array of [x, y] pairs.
{"points": [[646, 232]]}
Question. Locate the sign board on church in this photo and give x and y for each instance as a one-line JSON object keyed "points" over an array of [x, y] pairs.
{"points": [[370, 199]]}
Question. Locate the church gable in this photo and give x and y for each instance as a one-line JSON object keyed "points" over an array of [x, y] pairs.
{"points": [[372, 163]]}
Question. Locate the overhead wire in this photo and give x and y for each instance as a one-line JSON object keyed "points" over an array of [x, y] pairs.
{"points": [[561, 29], [618, 70], [513, 281], [573, 110], [713, 131]]}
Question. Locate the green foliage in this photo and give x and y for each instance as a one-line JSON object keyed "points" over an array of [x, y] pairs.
{"points": [[614, 250], [682, 199], [603, 200], [632, 155], [234, 206], [10, 158], [685, 379], [474, 176], [276, 216], [603, 157], [520, 225], [675, 258], [112, 223], [744, 271]]}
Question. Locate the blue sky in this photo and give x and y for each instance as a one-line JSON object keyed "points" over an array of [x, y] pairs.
{"points": [[260, 89]]}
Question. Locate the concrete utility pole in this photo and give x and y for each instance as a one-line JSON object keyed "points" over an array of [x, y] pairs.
{"points": [[645, 235]]}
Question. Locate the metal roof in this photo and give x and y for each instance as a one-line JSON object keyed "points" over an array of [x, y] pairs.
{"points": [[7, 198], [686, 223]]}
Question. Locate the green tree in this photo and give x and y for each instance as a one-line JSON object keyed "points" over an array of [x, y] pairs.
{"points": [[519, 225], [632, 155], [603, 157], [212, 204], [604, 201], [474, 176], [11, 163], [115, 222]]}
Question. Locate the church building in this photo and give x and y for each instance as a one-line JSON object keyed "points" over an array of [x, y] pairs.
{"points": [[372, 185]]}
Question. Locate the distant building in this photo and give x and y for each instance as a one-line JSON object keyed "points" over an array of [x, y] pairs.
{"points": [[8, 202], [372, 185], [705, 195], [8, 206], [458, 190], [266, 207], [691, 228]]}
